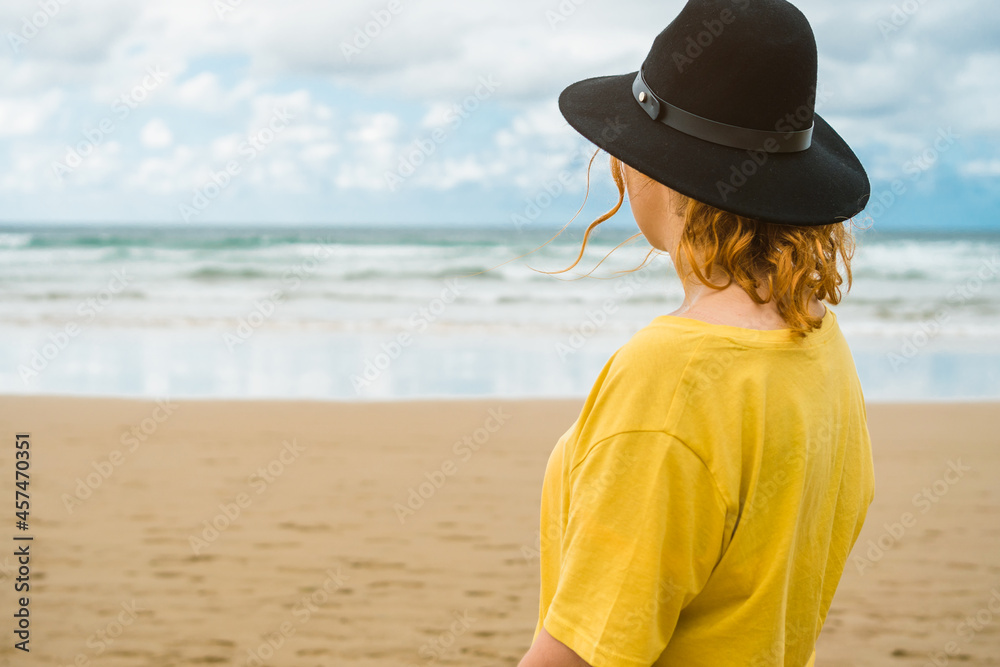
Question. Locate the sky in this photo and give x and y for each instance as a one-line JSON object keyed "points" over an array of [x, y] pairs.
{"points": [[438, 111]]}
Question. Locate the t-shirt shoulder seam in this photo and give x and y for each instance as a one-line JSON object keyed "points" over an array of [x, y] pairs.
{"points": [[726, 503]]}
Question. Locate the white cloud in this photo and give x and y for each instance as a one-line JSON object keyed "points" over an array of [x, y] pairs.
{"points": [[227, 76], [156, 134], [100, 166], [21, 116], [375, 132], [973, 96], [438, 115], [372, 151], [22, 174], [201, 91], [451, 173], [981, 168], [169, 175], [205, 93], [317, 155]]}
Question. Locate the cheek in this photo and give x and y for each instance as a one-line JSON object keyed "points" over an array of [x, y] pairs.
{"points": [[648, 213], [651, 223], [644, 217], [671, 235]]}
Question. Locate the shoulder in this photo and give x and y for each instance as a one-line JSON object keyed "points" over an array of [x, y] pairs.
{"points": [[635, 474], [641, 382], [659, 346], [628, 461], [666, 355]]}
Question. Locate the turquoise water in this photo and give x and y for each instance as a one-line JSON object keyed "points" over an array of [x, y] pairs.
{"points": [[241, 312]]}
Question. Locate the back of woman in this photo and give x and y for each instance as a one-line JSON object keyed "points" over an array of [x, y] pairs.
{"points": [[701, 509]]}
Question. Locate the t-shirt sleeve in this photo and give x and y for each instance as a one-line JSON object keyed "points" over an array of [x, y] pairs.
{"points": [[644, 530]]}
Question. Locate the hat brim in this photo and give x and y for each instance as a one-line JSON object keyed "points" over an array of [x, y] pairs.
{"points": [[823, 184]]}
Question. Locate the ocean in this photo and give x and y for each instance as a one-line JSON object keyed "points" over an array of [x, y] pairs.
{"points": [[383, 312]]}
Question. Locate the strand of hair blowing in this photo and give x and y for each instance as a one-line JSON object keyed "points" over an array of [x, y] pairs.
{"points": [[618, 175], [790, 264]]}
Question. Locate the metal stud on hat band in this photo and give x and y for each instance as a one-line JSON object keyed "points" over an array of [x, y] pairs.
{"points": [[718, 133]]}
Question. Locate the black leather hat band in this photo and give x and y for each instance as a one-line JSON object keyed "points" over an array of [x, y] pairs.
{"points": [[718, 133]]}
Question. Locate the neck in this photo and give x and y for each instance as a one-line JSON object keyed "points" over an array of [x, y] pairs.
{"points": [[730, 304]]}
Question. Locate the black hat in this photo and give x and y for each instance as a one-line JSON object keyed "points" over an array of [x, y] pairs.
{"points": [[723, 111]]}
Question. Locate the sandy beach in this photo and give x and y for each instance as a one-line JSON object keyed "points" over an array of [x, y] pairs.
{"points": [[404, 533]]}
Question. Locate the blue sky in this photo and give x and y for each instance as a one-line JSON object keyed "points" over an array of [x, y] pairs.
{"points": [[206, 111]]}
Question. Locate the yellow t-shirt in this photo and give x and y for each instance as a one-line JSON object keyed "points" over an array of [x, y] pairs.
{"points": [[702, 507]]}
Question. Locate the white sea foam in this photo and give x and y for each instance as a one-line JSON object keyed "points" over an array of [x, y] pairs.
{"points": [[362, 287]]}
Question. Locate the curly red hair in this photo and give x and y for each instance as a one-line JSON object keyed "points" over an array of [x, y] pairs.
{"points": [[790, 264]]}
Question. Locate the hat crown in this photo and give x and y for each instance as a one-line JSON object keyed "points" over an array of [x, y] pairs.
{"points": [[749, 63]]}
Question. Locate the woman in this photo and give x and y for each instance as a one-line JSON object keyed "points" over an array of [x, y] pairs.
{"points": [[701, 509]]}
